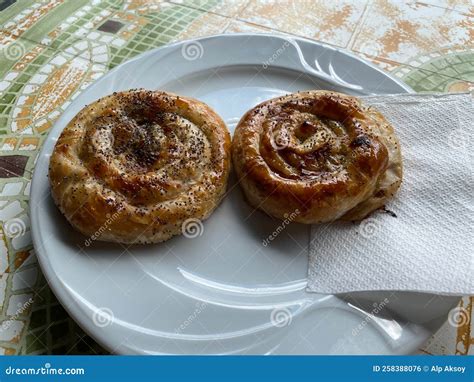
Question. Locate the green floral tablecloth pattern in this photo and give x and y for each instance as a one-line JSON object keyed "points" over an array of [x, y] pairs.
{"points": [[51, 50]]}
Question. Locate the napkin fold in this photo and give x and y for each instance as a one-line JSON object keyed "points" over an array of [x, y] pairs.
{"points": [[424, 242]]}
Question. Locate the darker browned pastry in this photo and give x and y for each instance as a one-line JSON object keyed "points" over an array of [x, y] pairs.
{"points": [[322, 154]]}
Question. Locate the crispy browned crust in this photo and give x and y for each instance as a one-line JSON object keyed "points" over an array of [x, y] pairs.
{"points": [[132, 167], [317, 156]]}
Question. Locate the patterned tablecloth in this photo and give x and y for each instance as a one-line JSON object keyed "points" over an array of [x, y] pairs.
{"points": [[51, 50]]}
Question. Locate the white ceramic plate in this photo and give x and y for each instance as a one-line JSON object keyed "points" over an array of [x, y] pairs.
{"points": [[223, 291]]}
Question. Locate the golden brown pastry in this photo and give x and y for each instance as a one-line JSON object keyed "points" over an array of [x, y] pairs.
{"points": [[135, 166], [317, 156]]}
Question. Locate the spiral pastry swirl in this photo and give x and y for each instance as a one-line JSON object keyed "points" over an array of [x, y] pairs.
{"points": [[323, 155], [134, 166]]}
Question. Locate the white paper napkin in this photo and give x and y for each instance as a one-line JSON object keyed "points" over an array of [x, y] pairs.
{"points": [[429, 245]]}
